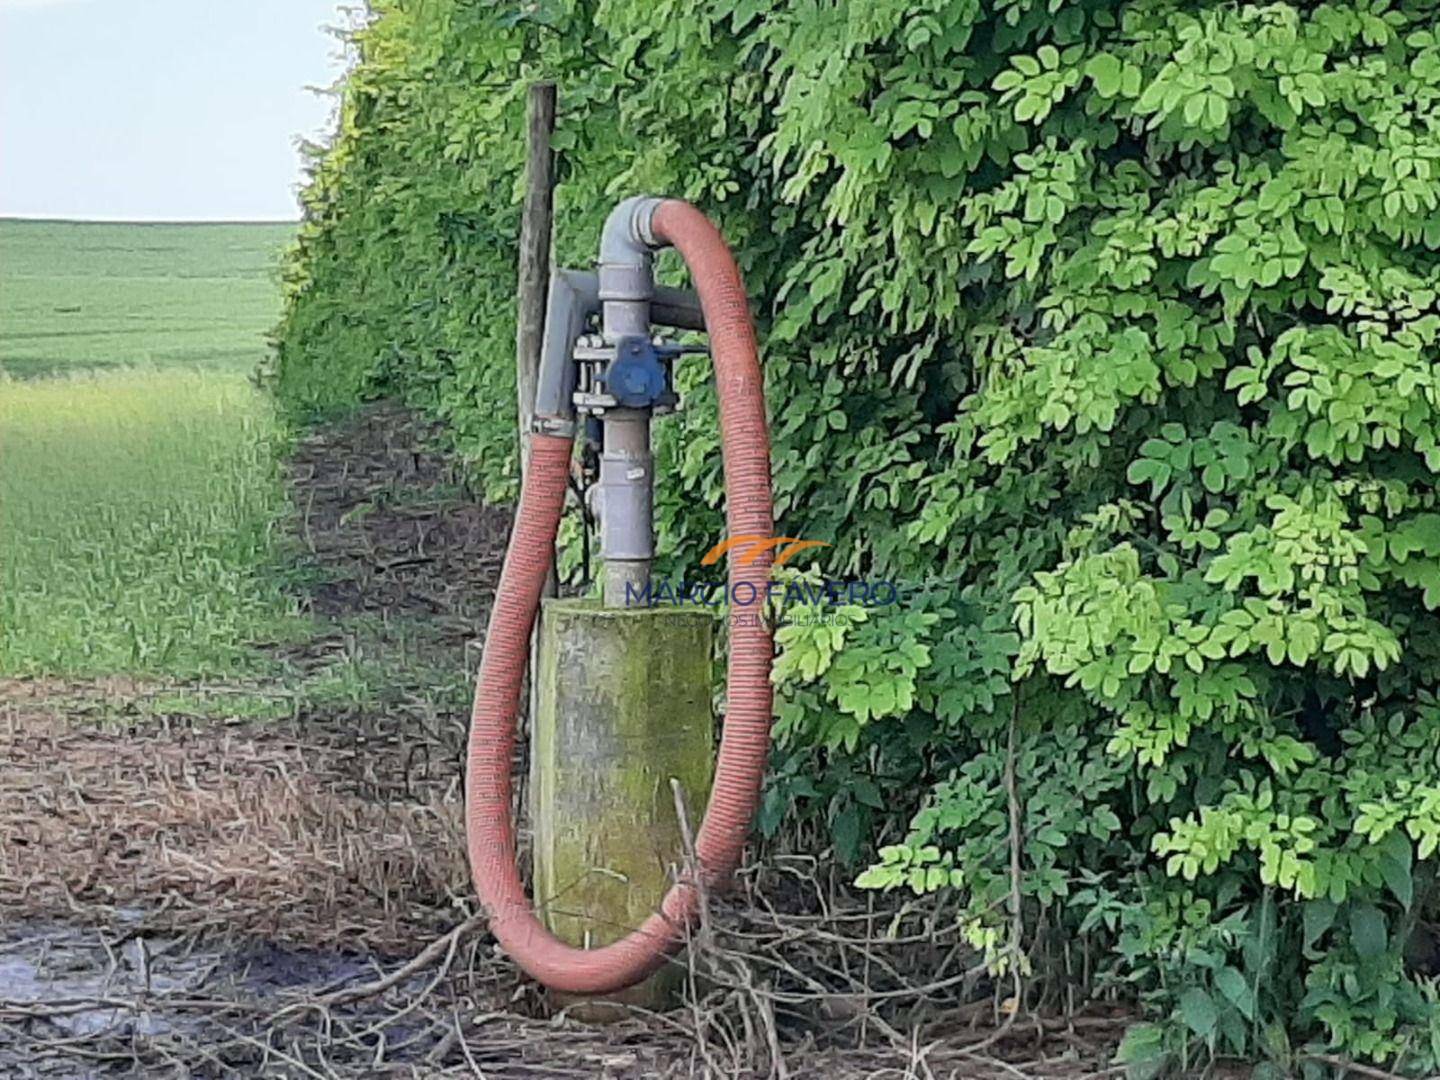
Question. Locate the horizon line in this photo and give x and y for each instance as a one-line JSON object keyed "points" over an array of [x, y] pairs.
{"points": [[68, 220]]}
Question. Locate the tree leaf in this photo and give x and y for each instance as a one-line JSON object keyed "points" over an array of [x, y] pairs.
{"points": [[1396, 861], [1105, 70], [1367, 932], [1319, 916], [1197, 1010], [1231, 983]]}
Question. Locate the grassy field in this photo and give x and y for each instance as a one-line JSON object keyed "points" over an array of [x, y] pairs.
{"points": [[85, 294], [140, 492], [139, 509]]}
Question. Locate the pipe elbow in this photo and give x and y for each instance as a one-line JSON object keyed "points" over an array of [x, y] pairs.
{"points": [[628, 237]]}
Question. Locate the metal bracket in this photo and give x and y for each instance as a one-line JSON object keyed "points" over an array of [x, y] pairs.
{"points": [[634, 373], [574, 300]]}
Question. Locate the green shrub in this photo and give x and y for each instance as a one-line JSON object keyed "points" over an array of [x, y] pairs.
{"points": [[1111, 329]]}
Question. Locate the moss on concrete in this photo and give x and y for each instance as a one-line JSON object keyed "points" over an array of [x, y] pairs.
{"points": [[624, 706]]}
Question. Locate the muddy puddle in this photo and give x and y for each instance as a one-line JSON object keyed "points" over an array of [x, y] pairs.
{"points": [[126, 1001], [66, 977]]}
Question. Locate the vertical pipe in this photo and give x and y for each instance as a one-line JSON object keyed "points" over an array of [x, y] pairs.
{"points": [[627, 492], [627, 481]]}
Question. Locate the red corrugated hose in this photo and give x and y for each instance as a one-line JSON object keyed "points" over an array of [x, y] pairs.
{"points": [[745, 742]]}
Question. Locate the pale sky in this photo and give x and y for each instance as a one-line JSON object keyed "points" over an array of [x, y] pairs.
{"points": [[168, 110]]}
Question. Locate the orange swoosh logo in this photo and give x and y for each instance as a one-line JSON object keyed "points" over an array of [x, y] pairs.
{"points": [[753, 547]]}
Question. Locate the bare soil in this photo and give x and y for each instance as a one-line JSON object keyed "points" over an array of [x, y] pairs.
{"points": [[271, 829], [268, 878]]}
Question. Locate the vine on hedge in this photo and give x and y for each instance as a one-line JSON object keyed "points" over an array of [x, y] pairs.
{"points": [[1108, 327]]}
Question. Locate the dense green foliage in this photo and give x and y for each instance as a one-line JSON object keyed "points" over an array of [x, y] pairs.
{"points": [[91, 295], [1110, 328]]}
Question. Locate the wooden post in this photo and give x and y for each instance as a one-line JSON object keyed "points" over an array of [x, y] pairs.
{"points": [[537, 223]]}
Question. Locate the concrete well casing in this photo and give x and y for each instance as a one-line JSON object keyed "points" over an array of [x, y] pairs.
{"points": [[624, 705]]}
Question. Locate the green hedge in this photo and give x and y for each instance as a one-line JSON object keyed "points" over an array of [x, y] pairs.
{"points": [[1110, 329]]}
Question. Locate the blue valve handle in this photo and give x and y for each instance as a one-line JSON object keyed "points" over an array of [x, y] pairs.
{"points": [[637, 378]]}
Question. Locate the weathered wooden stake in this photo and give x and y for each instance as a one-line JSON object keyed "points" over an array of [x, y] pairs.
{"points": [[537, 223], [624, 708]]}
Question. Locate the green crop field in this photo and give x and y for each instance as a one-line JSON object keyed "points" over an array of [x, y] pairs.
{"points": [[139, 481], [86, 294]]}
